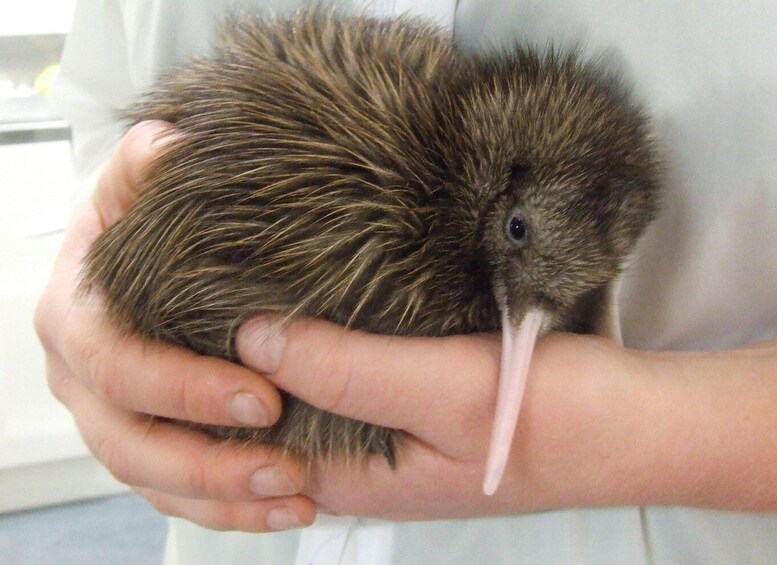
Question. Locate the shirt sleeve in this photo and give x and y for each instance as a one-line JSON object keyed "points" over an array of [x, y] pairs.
{"points": [[114, 51], [94, 83]]}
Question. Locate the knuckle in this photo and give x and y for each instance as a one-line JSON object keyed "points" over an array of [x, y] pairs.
{"points": [[179, 399], [338, 376], [113, 455], [200, 481], [226, 516], [61, 374], [102, 375], [175, 372], [86, 359], [59, 381]]}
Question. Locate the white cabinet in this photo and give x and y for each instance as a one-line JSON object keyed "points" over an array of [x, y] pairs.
{"points": [[35, 17]]}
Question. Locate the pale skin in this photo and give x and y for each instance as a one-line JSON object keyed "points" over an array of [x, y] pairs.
{"points": [[601, 425]]}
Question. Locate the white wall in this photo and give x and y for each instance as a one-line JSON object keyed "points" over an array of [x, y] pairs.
{"points": [[42, 458]]}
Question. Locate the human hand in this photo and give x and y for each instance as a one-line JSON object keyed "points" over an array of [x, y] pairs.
{"points": [[112, 382], [600, 425], [441, 393]]}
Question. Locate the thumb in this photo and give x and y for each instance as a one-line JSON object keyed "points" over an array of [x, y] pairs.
{"points": [[120, 181], [399, 382]]}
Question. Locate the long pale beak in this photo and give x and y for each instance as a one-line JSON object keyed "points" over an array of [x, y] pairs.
{"points": [[517, 348]]}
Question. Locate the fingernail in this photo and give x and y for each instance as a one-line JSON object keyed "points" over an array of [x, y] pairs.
{"points": [[246, 409], [266, 340], [155, 134], [283, 518], [272, 481], [161, 132]]}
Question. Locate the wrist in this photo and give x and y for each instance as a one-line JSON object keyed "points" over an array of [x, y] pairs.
{"points": [[608, 426], [718, 442], [578, 442]]}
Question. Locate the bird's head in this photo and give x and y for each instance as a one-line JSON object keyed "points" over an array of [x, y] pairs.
{"points": [[558, 173]]}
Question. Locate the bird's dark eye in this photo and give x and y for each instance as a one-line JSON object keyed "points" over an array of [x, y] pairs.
{"points": [[517, 228]]}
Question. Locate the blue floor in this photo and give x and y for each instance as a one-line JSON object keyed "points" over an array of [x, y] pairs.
{"points": [[124, 530]]}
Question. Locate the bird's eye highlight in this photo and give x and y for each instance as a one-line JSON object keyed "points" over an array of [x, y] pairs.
{"points": [[517, 228]]}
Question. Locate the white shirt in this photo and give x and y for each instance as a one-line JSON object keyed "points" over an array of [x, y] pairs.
{"points": [[704, 275]]}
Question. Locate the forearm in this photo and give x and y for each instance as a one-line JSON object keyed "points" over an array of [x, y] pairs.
{"points": [[720, 426], [695, 429], [600, 425]]}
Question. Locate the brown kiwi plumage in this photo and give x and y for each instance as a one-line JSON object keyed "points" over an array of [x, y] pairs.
{"points": [[362, 171]]}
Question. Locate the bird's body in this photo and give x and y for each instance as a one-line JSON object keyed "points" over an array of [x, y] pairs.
{"points": [[366, 173]]}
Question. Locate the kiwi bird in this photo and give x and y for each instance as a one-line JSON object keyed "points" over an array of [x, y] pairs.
{"points": [[366, 172]]}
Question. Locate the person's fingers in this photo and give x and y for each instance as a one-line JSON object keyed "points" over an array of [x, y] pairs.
{"points": [[103, 376], [127, 370], [260, 516], [423, 478], [147, 376], [148, 452], [120, 180], [165, 380], [392, 381]]}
